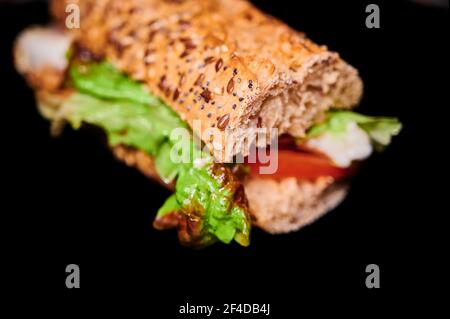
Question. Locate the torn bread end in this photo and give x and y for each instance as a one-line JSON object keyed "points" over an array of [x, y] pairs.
{"points": [[327, 82]]}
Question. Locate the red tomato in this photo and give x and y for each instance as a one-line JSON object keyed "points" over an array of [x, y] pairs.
{"points": [[301, 165]]}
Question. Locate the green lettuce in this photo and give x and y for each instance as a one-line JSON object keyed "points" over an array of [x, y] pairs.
{"points": [[206, 207], [106, 82], [380, 129]]}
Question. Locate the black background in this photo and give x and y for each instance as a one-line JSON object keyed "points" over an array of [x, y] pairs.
{"points": [[67, 200]]}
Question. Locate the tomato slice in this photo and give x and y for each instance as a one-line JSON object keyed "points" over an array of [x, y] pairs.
{"points": [[299, 164]]}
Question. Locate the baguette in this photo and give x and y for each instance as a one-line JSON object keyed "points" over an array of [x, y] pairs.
{"points": [[222, 62]]}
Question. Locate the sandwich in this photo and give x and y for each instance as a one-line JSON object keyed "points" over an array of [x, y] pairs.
{"points": [[182, 90]]}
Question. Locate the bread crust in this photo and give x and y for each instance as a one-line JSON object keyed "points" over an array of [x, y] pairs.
{"points": [[222, 62], [276, 206], [281, 206]]}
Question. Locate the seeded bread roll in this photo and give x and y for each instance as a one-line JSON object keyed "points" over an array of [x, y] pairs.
{"points": [[276, 206], [222, 62]]}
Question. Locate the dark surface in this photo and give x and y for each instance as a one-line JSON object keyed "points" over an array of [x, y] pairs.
{"points": [[69, 201]]}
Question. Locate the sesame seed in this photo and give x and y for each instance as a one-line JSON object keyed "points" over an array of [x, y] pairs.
{"points": [[223, 121], [200, 79], [162, 83], [151, 35], [230, 86], [209, 60], [184, 23], [219, 64], [189, 45], [176, 94], [182, 79]]}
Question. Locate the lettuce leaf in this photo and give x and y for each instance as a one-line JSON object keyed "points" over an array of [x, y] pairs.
{"points": [[104, 81], [206, 207], [125, 122], [380, 129]]}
